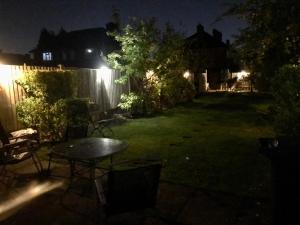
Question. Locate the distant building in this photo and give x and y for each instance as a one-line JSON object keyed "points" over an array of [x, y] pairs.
{"points": [[80, 48], [13, 59], [208, 54]]}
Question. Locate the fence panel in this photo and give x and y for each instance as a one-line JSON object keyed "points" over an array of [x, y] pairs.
{"points": [[10, 95], [99, 86], [96, 84]]}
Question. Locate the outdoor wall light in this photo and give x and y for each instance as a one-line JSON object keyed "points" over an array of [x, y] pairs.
{"points": [[89, 50], [241, 75], [188, 75]]}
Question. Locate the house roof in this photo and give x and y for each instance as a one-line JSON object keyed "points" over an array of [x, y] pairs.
{"points": [[77, 39], [202, 39], [84, 38]]}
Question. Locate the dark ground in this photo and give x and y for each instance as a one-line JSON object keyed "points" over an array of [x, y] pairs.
{"points": [[176, 204]]}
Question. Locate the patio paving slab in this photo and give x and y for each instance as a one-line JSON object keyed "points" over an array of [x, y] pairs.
{"points": [[176, 204]]}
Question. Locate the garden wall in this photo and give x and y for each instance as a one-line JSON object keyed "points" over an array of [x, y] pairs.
{"points": [[96, 84]]}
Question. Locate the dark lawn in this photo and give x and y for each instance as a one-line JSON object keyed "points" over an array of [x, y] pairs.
{"points": [[210, 143]]}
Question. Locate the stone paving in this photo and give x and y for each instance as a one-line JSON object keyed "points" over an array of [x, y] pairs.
{"points": [[176, 204]]}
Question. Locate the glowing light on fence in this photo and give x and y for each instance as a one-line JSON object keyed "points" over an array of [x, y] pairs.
{"points": [[105, 71], [5, 74], [9, 207], [104, 75]]}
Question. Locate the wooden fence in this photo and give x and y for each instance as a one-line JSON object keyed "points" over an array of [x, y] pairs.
{"points": [[96, 84]]}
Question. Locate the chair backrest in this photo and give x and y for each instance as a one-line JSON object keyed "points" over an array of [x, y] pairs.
{"points": [[4, 138], [75, 132], [132, 189]]}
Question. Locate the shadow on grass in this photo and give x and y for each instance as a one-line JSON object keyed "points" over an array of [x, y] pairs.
{"points": [[226, 102], [228, 106]]}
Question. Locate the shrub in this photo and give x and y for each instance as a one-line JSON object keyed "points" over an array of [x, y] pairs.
{"points": [[131, 102], [177, 89], [49, 119], [77, 112], [45, 106], [286, 90], [50, 81]]}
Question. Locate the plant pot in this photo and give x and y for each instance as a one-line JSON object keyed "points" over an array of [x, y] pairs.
{"points": [[284, 153]]}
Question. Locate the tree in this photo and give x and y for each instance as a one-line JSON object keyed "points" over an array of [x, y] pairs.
{"points": [[271, 38], [47, 39], [286, 89], [152, 60], [115, 23], [169, 65], [138, 43]]}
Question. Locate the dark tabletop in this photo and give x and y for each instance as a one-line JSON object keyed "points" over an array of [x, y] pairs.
{"points": [[89, 148]]}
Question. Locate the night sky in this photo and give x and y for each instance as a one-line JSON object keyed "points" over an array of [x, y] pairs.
{"points": [[22, 20]]}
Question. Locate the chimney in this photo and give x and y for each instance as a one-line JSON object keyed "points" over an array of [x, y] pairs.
{"points": [[217, 35], [200, 28]]}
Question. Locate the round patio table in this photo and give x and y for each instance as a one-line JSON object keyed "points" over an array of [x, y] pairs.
{"points": [[88, 150]]}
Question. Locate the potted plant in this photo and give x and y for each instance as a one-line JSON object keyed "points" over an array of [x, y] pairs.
{"points": [[77, 117], [284, 150]]}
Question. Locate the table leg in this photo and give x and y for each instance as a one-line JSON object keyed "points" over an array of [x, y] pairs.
{"points": [[72, 169], [92, 170]]}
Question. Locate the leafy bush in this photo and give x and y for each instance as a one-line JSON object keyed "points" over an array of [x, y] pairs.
{"points": [[45, 105], [50, 81], [177, 89], [131, 102], [49, 119], [42, 84], [77, 112], [286, 90]]}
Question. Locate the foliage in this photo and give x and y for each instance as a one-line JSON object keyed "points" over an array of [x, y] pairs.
{"points": [[44, 84], [286, 90], [169, 68], [151, 59], [130, 102], [45, 105], [77, 112], [28, 111], [49, 119], [138, 41], [177, 89], [271, 37]]}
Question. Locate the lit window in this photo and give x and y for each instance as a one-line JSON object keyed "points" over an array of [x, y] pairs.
{"points": [[47, 56]]}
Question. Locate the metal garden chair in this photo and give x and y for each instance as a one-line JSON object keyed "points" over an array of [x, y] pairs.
{"points": [[128, 190], [18, 146]]}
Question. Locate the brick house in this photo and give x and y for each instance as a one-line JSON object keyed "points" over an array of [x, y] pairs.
{"points": [[208, 53], [79, 48]]}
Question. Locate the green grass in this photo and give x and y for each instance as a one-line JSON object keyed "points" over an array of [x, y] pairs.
{"points": [[210, 143]]}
